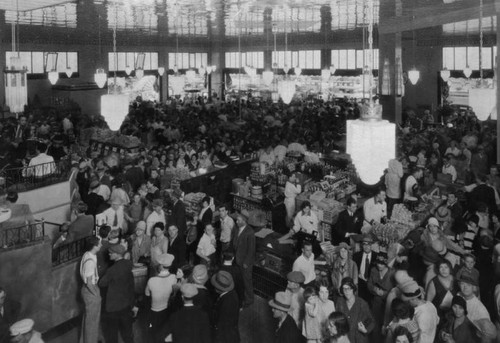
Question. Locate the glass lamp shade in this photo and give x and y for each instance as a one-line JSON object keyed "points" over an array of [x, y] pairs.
{"points": [[414, 75], [371, 145], [298, 71], [177, 83], [53, 77], [69, 72], [202, 70], [128, 70], [16, 91], [286, 69], [467, 72], [286, 90], [114, 108], [386, 78], [139, 73], [209, 70], [161, 71], [325, 75], [100, 78], [445, 75], [267, 77], [332, 69]]}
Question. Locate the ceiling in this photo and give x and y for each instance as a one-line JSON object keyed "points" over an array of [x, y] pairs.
{"points": [[212, 17]]}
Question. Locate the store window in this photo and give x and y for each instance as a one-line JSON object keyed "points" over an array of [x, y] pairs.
{"points": [[350, 59], [186, 60], [34, 61], [251, 58], [457, 58], [306, 59], [124, 59]]}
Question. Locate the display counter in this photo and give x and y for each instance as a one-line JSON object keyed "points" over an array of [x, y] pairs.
{"points": [[218, 181]]}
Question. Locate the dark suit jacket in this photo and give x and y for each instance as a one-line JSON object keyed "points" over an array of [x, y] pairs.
{"points": [[80, 228], [94, 203], [237, 278], [120, 282], [203, 300], [244, 247], [190, 324], [135, 176], [178, 249], [179, 217], [226, 317], [11, 315], [345, 224], [357, 259], [485, 194], [288, 332]]}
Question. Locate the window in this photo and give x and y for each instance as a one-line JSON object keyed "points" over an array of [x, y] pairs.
{"points": [[250, 58], [127, 17], [34, 61], [306, 59], [249, 22], [298, 19], [348, 15], [59, 15], [457, 58], [349, 59], [124, 59], [186, 60]]}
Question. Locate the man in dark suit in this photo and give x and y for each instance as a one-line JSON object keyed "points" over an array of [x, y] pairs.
{"points": [[482, 193], [287, 331], [244, 248], [95, 202], [348, 223], [9, 313], [178, 217], [134, 174], [227, 266], [189, 324], [365, 260], [119, 281], [227, 309], [177, 247], [82, 226]]}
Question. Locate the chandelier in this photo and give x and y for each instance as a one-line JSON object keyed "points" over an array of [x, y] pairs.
{"points": [[370, 140], [16, 84], [100, 76], [50, 64], [286, 89], [114, 105], [445, 74], [386, 79]]}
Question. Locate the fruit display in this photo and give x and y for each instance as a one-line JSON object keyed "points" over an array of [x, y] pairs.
{"points": [[400, 214], [390, 232]]}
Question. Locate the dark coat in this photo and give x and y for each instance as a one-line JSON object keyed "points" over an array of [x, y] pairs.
{"points": [[179, 217], [80, 228], [120, 283], [357, 259], [346, 224], [203, 299], [485, 194], [288, 332], [359, 312], [190, 324], [244, 247], [226, 317], [237, 278], [95, 203], [178, 249]]}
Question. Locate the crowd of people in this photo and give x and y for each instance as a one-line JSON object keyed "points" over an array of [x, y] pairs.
{"points": [[438, 285]]}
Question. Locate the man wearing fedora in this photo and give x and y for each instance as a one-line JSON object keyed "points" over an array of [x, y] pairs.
{"points": [[119, 281], [287, 331], [190, 324], [244, 249], [365, 260], [227, 309]]}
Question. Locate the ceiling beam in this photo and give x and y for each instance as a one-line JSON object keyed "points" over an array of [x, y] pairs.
{"points": [[437, 15]]}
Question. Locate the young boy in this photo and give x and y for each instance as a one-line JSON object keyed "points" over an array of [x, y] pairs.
{"points": [[467, 268]]}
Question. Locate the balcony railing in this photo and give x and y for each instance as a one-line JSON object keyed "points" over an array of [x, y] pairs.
{"points": [[31, 177], [69, 252], [22, 235]]}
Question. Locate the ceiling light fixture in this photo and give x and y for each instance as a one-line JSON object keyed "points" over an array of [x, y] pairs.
{"points": [[100, 76]]}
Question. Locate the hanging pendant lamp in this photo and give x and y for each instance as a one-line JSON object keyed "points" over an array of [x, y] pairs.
{"points": [[445, 74], [414, 76]]}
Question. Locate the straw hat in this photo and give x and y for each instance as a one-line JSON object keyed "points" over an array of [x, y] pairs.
{"points": [[281, 301]]}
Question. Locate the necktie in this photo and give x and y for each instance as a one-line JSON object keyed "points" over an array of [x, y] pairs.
{"points": [[115, 221], [367, 267]]}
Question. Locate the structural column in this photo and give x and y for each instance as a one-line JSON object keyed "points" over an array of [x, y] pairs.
{"points": [[389, 46], [498, 82]]}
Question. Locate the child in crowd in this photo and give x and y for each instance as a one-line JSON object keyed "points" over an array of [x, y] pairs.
{"points": [[311, 327], [467, 268]]}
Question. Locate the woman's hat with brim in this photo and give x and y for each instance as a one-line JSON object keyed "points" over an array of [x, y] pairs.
{"points": [[281, 301], [410, 290]]}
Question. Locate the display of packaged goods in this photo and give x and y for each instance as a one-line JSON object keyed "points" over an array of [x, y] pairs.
{"points": [[390, 232]]}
